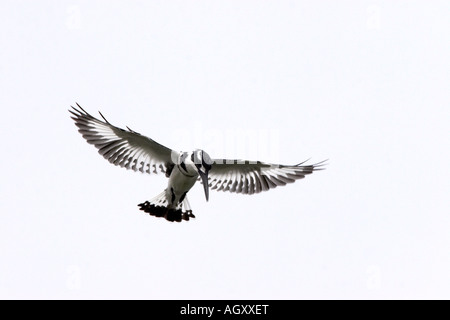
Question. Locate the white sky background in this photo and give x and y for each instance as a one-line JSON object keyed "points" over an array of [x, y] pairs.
{"points": [[363, 83]]}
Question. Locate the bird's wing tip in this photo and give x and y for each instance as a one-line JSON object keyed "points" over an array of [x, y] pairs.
{"points": [[104, 118]]}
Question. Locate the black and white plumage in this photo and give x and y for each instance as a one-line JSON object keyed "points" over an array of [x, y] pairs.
{"points": [[134, 151]]}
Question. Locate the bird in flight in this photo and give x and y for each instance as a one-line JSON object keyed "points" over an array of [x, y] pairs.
{"points": [[131, 150]]}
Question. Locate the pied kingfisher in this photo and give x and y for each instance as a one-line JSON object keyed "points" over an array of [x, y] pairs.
{"points": [[132, 150]]}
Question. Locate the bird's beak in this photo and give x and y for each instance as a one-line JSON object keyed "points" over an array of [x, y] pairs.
{"points": [[205, 182]]}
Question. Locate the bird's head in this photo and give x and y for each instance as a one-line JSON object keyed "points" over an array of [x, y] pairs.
{"points": [[203, 164]]}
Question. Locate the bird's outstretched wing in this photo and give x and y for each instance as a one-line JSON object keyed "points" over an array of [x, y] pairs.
{"points": [[249, 177], [127, 149]]}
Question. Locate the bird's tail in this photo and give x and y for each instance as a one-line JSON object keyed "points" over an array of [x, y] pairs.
{"points": [[159, 207]]}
